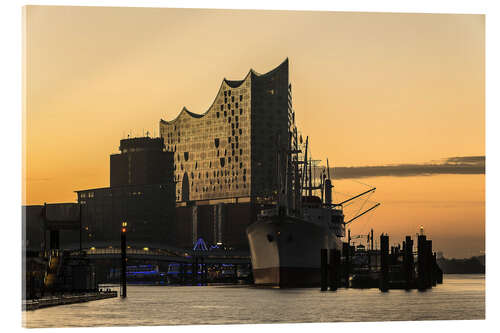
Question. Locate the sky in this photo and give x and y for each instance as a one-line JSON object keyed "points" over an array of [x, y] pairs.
{"points": [[395, 101]]}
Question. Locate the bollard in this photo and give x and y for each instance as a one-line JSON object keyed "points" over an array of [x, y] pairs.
{"points": [[384, 253], [324, 269]]}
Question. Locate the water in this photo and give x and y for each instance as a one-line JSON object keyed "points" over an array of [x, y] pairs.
{"points": [[459, 297]]}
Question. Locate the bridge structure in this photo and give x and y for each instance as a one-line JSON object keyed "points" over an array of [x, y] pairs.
{"points": [[185, 257]]}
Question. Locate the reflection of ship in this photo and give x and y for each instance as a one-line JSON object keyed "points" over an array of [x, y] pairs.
{"points": [[285, 241]]}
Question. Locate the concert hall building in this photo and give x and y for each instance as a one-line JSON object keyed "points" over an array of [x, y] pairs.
{"points": [[225, 158]]}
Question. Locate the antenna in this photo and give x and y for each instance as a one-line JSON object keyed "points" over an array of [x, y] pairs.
{"points": [[328, 168]]}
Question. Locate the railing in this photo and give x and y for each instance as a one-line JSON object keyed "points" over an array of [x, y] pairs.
{"points": [[161, 253]]}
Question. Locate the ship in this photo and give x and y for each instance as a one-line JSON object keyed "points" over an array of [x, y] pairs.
{"points": [[286, 239]]}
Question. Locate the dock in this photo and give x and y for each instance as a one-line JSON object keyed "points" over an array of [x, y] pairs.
{"points": [[401, 267], [34, 304]]}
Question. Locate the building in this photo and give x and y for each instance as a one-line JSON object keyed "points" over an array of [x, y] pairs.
{"points": [[141, 161], [225, 158], [141, 193]]}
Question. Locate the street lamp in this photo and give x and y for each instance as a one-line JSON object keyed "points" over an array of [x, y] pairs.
{"points": [[124, 259]]}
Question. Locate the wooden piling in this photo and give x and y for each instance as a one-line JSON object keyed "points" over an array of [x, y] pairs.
{"points": [[324, 269], [408, 264], [384, 254], [428, 264], [434, 270], [334, 269], [421, 262]]}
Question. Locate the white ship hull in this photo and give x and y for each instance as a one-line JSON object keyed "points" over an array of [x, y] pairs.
{"points": [[285, 251]]}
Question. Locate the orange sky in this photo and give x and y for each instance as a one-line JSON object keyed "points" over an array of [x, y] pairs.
{"points": [[369, 89]]}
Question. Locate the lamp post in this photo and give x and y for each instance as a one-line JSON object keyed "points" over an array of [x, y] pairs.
{"points": [[124, 259]]}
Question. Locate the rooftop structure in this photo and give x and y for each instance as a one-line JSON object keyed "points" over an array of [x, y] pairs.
{"points": [[228, 153]]}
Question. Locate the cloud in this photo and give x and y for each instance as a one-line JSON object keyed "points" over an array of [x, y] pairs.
{"points": [[461, 165]]}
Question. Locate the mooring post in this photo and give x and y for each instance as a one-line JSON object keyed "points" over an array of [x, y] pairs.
{"points": [[324, 269], [384, 254], [408, 262], [439, 272], [428, 264], [124, 259], [347, 263], [333, 270], [421, 262], [434, 270]]}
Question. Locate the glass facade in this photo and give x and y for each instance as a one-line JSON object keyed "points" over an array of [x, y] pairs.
{"points": [[230, 150]]}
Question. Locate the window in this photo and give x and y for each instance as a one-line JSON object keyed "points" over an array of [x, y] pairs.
{"points": [[241, 98]]}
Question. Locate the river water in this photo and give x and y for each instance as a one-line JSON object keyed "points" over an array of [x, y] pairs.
{"points": [[459, 297]]}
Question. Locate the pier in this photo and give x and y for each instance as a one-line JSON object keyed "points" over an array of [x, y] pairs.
{"points": [[34, 304], [386, 268]]}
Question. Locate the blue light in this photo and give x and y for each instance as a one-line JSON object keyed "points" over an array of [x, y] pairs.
{"points": [[143, 272]]}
